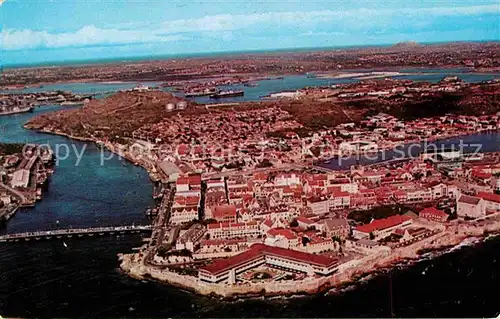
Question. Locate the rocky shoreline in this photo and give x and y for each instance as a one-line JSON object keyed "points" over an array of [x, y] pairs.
{"points": [[133, 265]]}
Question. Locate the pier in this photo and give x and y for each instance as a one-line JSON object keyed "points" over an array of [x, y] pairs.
{"points": [[74, 232]]}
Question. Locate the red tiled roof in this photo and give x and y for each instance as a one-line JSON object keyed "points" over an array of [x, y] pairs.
{"points": [[379, 224], [469, 200], [187, 201], [260, 251], [305, 220], [481, 175], [268, 223], [224, 211], [339, 193], [194, 179], [491, 197], [432, 211], [287, 233], [319, 177], [182, 149], [182, 180]]}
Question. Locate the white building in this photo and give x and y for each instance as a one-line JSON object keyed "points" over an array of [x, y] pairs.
{"points": [[491, 200], [233, 230], [20, 178], [259, 254], [471, 207], [190, 237], [318, 206]]}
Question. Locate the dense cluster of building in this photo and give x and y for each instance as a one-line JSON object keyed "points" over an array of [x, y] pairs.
{"points": [[298, 221], [223, 140], [469, 55], [22, 176], [18, 103]]}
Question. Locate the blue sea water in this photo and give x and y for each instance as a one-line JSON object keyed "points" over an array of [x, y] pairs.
{"points": [[80, 193], [82, 87], [47, 279]]}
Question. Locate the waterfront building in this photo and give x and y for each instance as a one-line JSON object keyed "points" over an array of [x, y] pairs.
{"points": [[184, 209], [381, 228], [318, 245], [363, 244], [491, 200], [259, 254], [470, 206], [443, 154], [20, 178], [411, 234], [170, 169], [5, 199]]}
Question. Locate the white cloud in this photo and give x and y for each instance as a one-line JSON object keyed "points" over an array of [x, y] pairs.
{"points": [[1, 1], [225, 24], [86, 36]]}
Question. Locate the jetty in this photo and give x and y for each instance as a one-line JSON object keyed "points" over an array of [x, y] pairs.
{"points": [[74, 232]]}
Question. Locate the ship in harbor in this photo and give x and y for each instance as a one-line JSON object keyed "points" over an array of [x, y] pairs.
{"points": [[16, 109], [206, 92], [230, 93]]}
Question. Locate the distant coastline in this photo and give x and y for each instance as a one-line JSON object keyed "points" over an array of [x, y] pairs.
{"points": [[172, 56]]}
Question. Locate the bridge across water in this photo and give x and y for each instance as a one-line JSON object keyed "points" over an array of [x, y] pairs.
{"points": [[74, 232]]}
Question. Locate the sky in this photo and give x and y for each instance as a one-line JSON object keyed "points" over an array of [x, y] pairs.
{"points": [[37, 31]]}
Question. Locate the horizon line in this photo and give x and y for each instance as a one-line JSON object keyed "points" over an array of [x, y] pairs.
{"points": [[170, 56]]}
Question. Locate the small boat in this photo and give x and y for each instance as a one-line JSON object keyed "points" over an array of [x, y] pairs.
{"points": [[64, 244]]}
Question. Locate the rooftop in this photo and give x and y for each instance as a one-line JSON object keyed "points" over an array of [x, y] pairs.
{"points": [[469, 200], [261, 250], [379, 224]]}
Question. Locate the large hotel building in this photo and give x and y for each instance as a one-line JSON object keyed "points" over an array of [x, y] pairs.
{"points": [[260, 254]]}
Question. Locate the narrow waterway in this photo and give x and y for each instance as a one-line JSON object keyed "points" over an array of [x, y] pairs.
{"points": [[90, 187], [47, 279], [480, 142]]}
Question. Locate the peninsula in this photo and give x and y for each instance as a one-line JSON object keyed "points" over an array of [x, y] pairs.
{"points": [[250, 203]]}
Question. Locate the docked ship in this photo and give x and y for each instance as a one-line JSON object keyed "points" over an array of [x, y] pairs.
{"points": [[230, 93], [16, 109], [205, 92]]}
